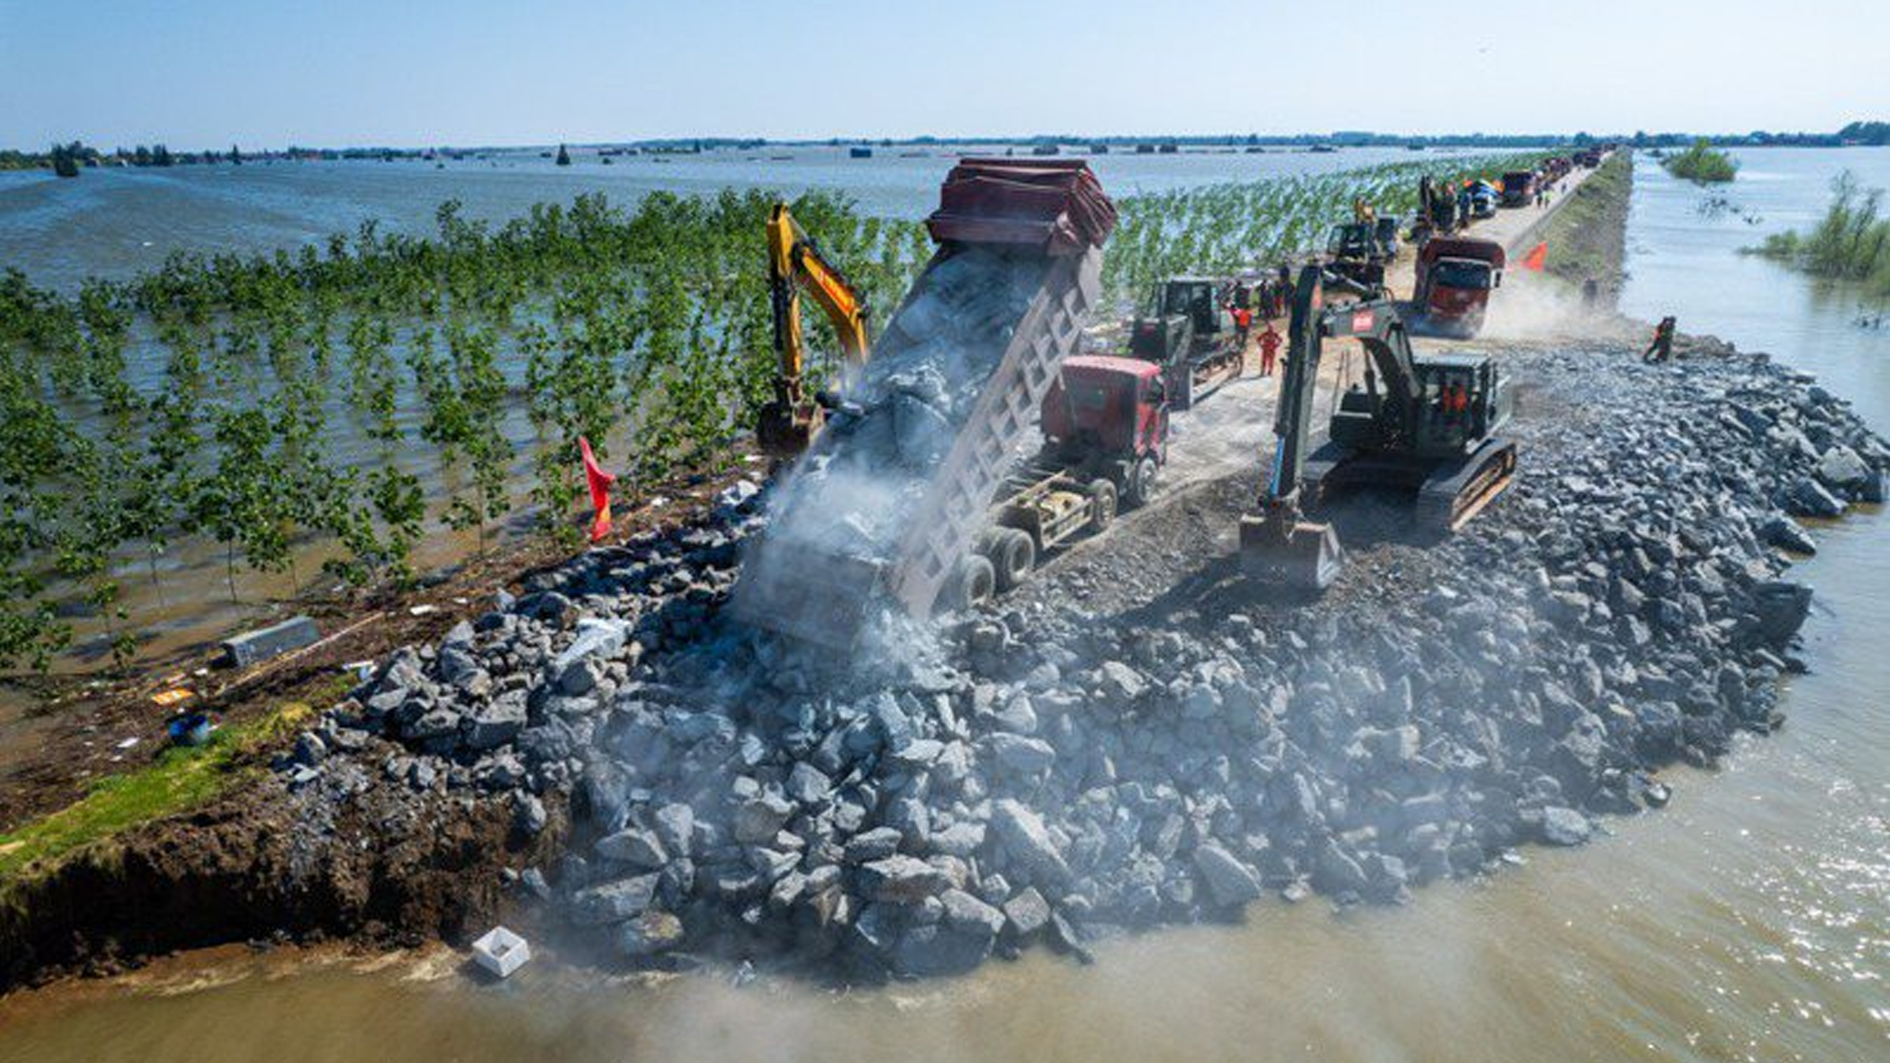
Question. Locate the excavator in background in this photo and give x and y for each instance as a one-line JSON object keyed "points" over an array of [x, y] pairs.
{"points": [[1191, 336], [1438, 213], [1360, 250], [1426, 423], [788, 425]]}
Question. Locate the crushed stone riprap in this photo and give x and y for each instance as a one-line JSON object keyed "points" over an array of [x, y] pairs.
{"points": [[1137, 737]]}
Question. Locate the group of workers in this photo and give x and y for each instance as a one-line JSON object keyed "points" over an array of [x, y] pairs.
{"points": [[1270, 296]]}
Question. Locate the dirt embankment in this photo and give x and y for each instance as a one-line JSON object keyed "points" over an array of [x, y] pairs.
{"points": [[225, 871], [1587, 237], [233, 872]]}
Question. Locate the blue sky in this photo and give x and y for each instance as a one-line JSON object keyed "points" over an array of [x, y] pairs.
{"points": [[196, 73]]}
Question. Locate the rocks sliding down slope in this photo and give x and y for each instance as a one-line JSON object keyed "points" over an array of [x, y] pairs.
{"points": [[1064, 765]]}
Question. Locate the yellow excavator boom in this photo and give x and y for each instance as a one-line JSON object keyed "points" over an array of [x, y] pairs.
{"points": [[788, 424]]}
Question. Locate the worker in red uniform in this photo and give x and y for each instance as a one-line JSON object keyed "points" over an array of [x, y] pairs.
{"points": [[1269, 349]]}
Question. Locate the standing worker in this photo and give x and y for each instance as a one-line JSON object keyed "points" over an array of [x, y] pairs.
{"points": [[1282, 290], [1661, 349], [1269, 349], [1243, 324]]}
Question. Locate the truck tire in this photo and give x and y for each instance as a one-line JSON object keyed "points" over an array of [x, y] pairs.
{"points": [[1102, 504], [972, 585], [1140, 485], [1013, 555]]}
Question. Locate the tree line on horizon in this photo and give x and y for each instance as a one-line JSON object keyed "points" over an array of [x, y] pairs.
{"points": [[1856, 133]]}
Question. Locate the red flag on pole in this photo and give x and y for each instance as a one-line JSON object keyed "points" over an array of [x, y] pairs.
{"points": [[599, 482], [1536, 257]]}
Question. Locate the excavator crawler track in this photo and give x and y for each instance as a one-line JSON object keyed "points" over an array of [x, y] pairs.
{"points": [[1455, 494]]}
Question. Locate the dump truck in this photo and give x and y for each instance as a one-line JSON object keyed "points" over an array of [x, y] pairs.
{"points": [[1189, 333], [1454, 280], [1426, 424], [1105, 436], [1519, 188], [888, 507]]}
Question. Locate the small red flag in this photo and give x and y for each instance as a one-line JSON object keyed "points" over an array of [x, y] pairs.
{"points": [[1537, 256], [599, 482]]}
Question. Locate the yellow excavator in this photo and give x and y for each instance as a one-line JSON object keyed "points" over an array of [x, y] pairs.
{"points": [[788, 424]]}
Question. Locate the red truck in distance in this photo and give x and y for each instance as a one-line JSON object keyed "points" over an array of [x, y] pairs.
{"points": [[1454, 280]]}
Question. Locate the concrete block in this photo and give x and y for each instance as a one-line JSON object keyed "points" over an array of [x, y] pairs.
{"points": [[263, 643]]}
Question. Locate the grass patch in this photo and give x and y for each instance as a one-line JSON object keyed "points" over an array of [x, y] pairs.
{"points": [[1586, 234], [179, 779], [1702, 164]]}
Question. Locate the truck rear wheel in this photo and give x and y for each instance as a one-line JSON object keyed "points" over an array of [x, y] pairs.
{"points": [[1141, 483], [973, 584], [1013, 555], [1102, 504]]}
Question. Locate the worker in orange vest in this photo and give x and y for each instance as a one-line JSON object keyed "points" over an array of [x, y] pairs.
{"points": [[1661, 349], [1269, 349], [1243, 323]]}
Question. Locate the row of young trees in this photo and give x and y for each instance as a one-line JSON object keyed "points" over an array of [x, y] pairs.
{"points": [[1850, 243], [358, 395]]}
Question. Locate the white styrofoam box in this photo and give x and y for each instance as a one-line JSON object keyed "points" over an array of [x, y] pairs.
{"points": [[501, 951]]}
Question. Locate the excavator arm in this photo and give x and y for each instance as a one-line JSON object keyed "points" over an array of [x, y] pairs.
{"points": [[1377, 327], [795, 263], [1279, 543]]}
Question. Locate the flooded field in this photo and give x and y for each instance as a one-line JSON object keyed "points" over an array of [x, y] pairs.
{"points": [[116, 223]]}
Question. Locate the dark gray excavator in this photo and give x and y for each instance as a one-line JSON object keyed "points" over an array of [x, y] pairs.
{"points": [[1424, 423]]}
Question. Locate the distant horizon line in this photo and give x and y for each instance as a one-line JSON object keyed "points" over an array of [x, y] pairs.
{"points": [[1336, 138]]}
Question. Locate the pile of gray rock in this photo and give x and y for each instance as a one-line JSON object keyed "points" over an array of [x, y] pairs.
{"points": [[1040, 772]]}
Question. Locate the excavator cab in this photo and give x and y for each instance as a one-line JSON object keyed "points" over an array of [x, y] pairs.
{"points": [[1461, 400], [1196, 298], [1356, 250]]}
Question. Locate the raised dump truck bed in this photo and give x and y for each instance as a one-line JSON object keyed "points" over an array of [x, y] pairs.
{"points": [[895, 492]]}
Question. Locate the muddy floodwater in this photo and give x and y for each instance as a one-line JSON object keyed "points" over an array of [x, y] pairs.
{"points": [[1749, 921]]}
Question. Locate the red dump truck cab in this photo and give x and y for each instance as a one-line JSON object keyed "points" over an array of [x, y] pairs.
{"points": [[1108, 407], [1454, 282]]}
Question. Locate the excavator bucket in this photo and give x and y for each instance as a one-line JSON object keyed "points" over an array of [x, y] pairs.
{"points": [[786, 427], [1053, 207], [1301, 554]]}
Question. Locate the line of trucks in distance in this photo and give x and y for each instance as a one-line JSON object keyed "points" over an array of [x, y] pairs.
{"points": [[1427, 423]]}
